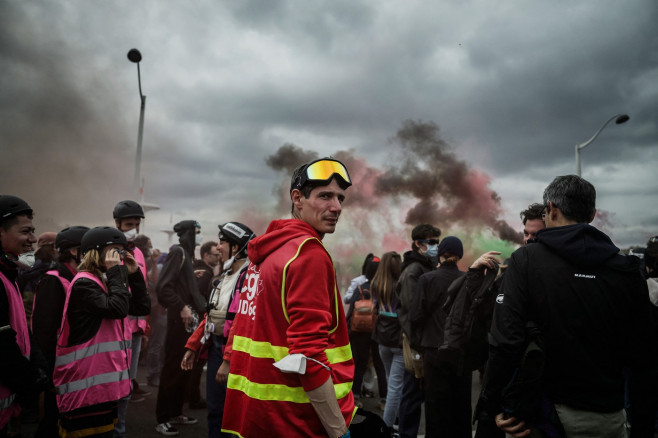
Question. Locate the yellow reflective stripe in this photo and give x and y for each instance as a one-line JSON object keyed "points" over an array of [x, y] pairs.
{"points": [[277, 392], [265, 350], [283, 282], [92, 431], [339, 354], [232, 431]]}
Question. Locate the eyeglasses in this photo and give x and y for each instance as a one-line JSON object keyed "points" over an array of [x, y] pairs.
{"points": [[429, 241], [323, 170]]}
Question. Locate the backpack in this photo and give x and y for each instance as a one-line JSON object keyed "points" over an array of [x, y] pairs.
{"points": [[469, 309], [364, 315]]}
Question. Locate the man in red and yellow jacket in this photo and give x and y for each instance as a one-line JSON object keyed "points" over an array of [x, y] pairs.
{"points": [[291, 367]]}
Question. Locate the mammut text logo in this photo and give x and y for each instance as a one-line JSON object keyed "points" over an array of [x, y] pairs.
{"points": [[584, 276]]}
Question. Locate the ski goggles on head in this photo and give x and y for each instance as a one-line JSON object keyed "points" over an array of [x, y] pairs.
{"points": [[323, 170]]}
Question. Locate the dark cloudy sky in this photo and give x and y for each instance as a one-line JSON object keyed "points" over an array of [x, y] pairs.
{"points": [[512, 86]]}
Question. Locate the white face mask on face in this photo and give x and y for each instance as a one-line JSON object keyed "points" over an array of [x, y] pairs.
{"points": [[130, 234], [26, 260], [228, 263], [198, 240]]}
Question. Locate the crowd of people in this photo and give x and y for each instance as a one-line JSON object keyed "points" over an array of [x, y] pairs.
{"points": [[562, 333]]}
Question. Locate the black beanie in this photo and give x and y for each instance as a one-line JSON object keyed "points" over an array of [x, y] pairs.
{"points": [[452, 245]]}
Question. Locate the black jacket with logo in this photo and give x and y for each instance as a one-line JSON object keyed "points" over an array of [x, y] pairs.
{"points": [[591, 305]]}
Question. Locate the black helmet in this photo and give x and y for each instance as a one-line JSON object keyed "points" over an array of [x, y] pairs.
{"points": [[100, 237], [236, 233], [12, 206], [126, 209], [69, 237]]}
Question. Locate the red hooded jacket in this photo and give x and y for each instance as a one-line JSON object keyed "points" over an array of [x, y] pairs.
{"points": [[289, 304]]}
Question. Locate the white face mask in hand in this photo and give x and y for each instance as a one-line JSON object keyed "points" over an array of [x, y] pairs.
{"points": [[295, 363], [26, 260]]}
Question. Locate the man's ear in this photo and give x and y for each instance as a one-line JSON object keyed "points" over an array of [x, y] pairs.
{"points": [[117, 222], [553, 211], [592, 218], [296, 197]]}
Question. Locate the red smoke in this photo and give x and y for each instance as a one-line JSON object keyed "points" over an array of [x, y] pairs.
{"points": [[424, 182]]}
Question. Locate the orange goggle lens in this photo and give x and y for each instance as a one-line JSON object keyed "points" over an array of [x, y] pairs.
{"points": [[324, 169]]}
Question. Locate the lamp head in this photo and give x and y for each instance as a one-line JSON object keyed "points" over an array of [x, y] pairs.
{"points": [[134, 55], [622, 119]]}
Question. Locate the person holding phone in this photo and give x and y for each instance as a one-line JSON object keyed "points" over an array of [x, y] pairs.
{"points": [[93, 350]]}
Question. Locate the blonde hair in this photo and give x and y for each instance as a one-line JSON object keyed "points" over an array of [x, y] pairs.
{"points": [[92, 262], [386, 277]]}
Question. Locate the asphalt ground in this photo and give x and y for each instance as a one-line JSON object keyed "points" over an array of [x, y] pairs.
{"points": [[141, 420]]}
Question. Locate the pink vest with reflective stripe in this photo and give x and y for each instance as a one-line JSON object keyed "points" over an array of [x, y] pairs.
{"points": [[65, 285], [95, 371], [138, 323], [18, 323]]}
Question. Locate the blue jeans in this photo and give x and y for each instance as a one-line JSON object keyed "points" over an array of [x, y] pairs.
{"points": [[215, 392], [394, 365]]}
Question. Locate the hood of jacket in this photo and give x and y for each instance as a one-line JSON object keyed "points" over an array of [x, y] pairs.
{"points": [[415, 257], [278, 233], [581, 244]]}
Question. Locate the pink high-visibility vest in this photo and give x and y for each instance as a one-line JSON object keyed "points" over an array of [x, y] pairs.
{"points": [[18, 323], [138, 323], [95, 371]]}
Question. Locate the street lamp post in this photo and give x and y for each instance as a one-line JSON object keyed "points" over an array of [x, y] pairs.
{"points": [[135, 56], [619, 119]]}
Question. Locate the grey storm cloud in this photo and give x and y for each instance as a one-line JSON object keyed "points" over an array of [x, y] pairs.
{"points": [[513, 87]]}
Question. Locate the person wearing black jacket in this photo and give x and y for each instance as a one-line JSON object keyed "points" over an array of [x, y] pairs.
{"points": [[447, 396], [590, 306], [49, 299], [421, 259], [20, 375], [178, 292]]}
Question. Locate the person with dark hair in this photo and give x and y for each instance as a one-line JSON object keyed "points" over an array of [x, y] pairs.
{"points": [[363, 346], [290, 331], [179, 294], [447, 397], [204, 270], [422, 258], [33, 266], [204, 267], [533, 221], [583, 308], [128, 216], [356, 281], [49, 299], [19, 375], [211, 335], [92, 358]]}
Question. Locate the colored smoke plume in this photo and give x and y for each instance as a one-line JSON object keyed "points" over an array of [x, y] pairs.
{"points": [[425, 183]]}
